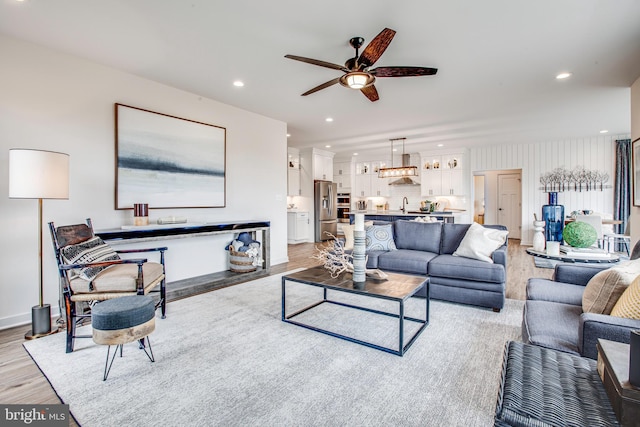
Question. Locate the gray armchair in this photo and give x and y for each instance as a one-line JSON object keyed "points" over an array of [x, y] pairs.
{"points": [[553, 316]]}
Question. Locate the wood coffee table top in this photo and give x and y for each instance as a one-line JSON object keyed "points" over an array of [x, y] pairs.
{"points": [[397, 286]]}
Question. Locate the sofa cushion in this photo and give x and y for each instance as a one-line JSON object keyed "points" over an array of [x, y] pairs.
{"points": [[628, 305], [549, 290], [466, 269], [418, 236], [406, 261], [604, 289], [452, 235], [552, 325], [480, 242], [380, 238]]}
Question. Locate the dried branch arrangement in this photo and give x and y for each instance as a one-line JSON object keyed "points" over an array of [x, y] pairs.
{"points": [[335, 259]]}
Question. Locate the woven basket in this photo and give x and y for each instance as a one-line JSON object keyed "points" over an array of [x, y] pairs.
{"points": [[240, 262]]}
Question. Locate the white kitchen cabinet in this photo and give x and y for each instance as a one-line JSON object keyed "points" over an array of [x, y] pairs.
{"points": [[367, 183], [293, 172], [380, 186], [362, 185], [322, 167], [453, 183], [297, 227], [342, 172], [293, 182], [443, 175], [430, 183]]}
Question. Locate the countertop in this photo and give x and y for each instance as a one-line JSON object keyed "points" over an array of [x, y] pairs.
{"points": [[407, 213]]}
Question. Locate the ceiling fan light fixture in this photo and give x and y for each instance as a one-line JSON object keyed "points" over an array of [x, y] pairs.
{"points": [[357, 80]]}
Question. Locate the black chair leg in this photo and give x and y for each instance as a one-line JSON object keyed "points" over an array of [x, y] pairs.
{"points": [[70, 308]]}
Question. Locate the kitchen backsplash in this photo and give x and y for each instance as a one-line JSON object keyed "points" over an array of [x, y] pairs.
{"points": [[412, 193]]}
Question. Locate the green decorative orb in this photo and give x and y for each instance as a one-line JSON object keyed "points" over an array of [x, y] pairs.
{"points": [[579, 234]]}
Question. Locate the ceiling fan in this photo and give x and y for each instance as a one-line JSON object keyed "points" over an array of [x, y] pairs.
{"points": [[358, 73]]}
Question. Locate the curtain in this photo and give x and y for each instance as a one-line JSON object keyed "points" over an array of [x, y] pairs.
{"points": [[622, 187]]}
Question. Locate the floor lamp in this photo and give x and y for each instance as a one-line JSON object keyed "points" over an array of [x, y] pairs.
{"points": [[38, 174]]}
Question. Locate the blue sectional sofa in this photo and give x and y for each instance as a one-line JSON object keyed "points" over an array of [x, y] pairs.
{"points": [[553, 316], [427, 248]]}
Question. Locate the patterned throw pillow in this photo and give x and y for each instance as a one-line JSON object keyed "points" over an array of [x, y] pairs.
{"points": [[628, 304], [380, 238], [92, 250]]}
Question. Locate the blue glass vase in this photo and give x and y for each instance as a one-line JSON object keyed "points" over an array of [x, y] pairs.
{"points": [[553, 216]]}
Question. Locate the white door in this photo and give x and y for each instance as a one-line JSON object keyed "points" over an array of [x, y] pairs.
{"points": [[510, 203]]}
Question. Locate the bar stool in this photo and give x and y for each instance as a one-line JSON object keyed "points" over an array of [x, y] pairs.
{"points": [[123, 320]]}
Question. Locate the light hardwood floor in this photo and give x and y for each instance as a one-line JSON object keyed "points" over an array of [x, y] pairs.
{"points": [[22, 382]]}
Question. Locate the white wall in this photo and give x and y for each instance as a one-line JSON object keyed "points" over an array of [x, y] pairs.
{"points": [[54, 101], [595, 153]]}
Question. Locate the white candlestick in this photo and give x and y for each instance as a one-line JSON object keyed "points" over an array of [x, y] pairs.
{"points": [[359, 222]]}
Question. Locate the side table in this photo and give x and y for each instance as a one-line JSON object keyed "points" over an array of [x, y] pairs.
{"points": [[613, 368]]}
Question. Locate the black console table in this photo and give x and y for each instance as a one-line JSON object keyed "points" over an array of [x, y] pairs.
{"points": [[199, 284]]}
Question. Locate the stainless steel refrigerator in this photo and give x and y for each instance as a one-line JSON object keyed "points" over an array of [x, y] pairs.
{"points": [[326, 209]]}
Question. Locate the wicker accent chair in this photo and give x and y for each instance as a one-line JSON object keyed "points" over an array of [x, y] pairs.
{"points": [[90, 271]]}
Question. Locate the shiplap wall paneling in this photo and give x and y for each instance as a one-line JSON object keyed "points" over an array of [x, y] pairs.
{"points": [[595, 153]]}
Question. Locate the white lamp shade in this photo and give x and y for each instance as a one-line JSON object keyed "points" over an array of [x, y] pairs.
{"points": [[38, 174], [357, 81]]}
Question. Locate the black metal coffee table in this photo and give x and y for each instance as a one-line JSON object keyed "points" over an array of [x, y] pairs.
{"points": [[398, 288]]}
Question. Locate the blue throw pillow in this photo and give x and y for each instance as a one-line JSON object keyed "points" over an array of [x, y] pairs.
{"points": [[380, 238]]}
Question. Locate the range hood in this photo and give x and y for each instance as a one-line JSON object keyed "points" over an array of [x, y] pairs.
{"points": [[405, 180]]}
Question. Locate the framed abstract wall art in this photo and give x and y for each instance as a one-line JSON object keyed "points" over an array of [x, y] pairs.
{"points": [[167, 161]]}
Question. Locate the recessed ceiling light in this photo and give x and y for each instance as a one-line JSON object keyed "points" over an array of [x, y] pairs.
{"points": [[327, 146], [395, 149], [440, 145], [238, 83], [288, 135], [563, 76], [328, 119], [355, 154], [604, 131]]}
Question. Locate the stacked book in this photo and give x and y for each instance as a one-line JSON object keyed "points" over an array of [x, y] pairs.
{"points": [[584, 252]]}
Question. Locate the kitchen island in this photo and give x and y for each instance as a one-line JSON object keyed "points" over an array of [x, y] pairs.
{"points": [[393, 215]]}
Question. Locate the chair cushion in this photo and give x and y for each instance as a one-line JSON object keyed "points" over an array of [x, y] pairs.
{"points": [[466, 269], [552, 325], [380, 238], [89, 251], [628, 305], [480, 242], [118, 278], [604, 289], [550, 290], [418, 236]]}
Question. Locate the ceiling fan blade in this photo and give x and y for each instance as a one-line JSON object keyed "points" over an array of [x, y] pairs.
{"points": [[370, 92], [322, 86], [318, 62], [376, 48], [403, 71]]}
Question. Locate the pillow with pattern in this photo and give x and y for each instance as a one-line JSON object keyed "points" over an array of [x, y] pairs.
{"points": [[89, 251], [380, 238]]}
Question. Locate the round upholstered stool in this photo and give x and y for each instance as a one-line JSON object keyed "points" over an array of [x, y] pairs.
{"points": [[122, 320]]}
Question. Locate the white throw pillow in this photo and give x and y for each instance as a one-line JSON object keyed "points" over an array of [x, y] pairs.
{"points": [[480, 242], [347, 229]]}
